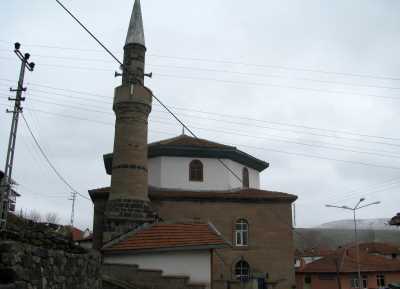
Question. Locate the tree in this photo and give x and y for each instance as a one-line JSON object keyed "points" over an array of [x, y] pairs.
{"points": [[34, 216], [52, 218]]}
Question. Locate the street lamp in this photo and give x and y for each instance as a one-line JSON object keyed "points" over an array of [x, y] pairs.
{"points": [[354, 209]]}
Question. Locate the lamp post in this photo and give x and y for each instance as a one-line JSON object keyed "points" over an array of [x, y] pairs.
{"points": [[354, 209]]}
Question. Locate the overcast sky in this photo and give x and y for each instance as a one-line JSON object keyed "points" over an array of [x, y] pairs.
{"points": [[312, 87]]}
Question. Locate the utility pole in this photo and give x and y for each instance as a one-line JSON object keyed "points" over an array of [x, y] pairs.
{"points": [[354, 209], [73, 199], [5, 186]]}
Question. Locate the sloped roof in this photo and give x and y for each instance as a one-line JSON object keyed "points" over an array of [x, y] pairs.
{"points": [[187, 146], [379, 248], [395, 221], [347, 264], [249, 195], [185, 140], [165, 236], [238, 195]]}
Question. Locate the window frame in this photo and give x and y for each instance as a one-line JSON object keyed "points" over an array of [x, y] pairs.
{"points": [[379, 278], [196, 171], [354, 282], [241, 276], [241, 232]]}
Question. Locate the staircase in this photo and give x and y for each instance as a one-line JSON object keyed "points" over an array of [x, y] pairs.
{"points": [[117, 276]]}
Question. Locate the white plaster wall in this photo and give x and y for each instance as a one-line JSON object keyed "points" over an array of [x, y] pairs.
{"points": [[173, 173], [154, 171], [194, 264]]}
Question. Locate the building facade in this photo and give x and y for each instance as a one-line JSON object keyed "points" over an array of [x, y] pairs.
{"points": [[186, 179]]}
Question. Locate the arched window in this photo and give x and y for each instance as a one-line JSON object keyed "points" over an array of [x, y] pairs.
{"points": [[245, 177], [196, 171], [241, 232], [242, 270]]}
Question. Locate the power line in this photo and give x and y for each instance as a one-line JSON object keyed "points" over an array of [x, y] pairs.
{"points": [[58, 174], [212, 113], [198, 59], [223, 71], [270, 138], [90, 33], [234, 82], [313, 156], [243, 145]]}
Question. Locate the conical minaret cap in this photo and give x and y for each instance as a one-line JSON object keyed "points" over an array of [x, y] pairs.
{"points": [[135, 31]]}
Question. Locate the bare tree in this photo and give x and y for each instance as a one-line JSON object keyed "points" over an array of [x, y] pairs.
{"points": [[52, 218], [34, 216]]}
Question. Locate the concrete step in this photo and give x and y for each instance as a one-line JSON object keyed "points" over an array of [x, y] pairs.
{"points": [[195, 286], [130, 273], [110, 283]]}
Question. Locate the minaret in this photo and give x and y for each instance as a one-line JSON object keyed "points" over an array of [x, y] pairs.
{"points": [[128, 205]]}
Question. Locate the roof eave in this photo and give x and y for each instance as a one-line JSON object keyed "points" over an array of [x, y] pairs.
{"points": [[111, 251]]}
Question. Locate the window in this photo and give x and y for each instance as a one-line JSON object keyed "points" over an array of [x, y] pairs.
{"points": [[307, 279], [242, 232], [354, 282], [365, 281], [242, 270], [380, 280], [196, 171], [245, 177]]}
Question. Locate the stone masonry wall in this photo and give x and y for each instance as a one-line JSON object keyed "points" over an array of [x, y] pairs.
{"points": [[23, 266]]}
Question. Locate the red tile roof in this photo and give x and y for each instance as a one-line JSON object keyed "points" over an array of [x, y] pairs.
{"points": [[76, 234], [185, 140], [347, 263], [379, 248], [184, 195], [168, 236]]}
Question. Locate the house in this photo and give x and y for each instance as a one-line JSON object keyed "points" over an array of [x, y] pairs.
{"points": [[185, 180], [178, 249], [395, 221], [13, 194], [378, 262]]}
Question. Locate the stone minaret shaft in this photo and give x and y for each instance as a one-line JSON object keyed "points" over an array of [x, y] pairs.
{"points": [[128, 205]]}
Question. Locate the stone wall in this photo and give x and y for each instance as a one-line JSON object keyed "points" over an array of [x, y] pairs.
{"points": [[42, 256], [23, 266]]}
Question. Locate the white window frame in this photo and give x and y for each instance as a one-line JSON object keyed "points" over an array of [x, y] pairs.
{"points": [[379, 278], [242, 233], [241, 269]]}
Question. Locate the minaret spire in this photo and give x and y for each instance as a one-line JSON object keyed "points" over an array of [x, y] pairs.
{"points": [[128, 204], [135, 33]]}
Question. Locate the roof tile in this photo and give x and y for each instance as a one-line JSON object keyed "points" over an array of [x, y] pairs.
{"points": [[163, 235]]}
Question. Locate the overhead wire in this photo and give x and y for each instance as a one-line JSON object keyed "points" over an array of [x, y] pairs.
{"points": [[233, 82], [58, 174], [233, 62], [210, 113], [192, 68], [269, 138], [318, 157]]}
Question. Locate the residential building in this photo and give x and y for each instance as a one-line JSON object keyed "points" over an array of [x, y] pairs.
{"points": [[177, 249], [13, 194], [379, 266], [395, 221]]}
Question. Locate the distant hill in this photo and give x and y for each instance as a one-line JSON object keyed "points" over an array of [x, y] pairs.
{"points": [[362, 224]]}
